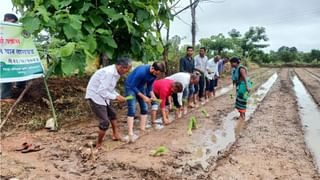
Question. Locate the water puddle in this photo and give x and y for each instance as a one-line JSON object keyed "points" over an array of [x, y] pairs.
{"points": [[310, 117], [213, 143], [224, 90]]}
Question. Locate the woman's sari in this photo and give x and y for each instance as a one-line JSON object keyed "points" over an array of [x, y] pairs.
{"points": [[242, 93]]}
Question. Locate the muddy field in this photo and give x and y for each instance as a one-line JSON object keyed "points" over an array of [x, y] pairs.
{"points": [[270, 144]]}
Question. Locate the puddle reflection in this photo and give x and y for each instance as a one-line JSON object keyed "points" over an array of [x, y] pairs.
{"points": [[310, 116]]}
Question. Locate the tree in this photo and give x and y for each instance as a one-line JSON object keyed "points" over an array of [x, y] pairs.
{"points": [[88, 28], [251, 40], [217, 43], [315, 55], [287, 54]]}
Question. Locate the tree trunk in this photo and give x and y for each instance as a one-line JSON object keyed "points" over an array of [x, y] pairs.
{"points": [[165, 53], [193, 22]]}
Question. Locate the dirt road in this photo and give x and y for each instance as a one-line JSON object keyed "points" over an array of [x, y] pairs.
{"points": [[272, 146]]}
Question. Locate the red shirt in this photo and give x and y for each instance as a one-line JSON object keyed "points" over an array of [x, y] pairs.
{"points": [[162, 89]]}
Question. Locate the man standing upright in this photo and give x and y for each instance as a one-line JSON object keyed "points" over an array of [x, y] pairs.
{"points": [[187, 65], [139, 86], [200, 63]]}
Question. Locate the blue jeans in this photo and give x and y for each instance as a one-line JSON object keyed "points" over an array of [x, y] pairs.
{"points": [[132, 104], [5, 90]]}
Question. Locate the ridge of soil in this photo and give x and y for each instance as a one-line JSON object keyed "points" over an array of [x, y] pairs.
{"points": [[268, 148]]}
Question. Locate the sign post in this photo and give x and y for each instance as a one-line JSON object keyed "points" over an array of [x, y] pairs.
{"points": [[19, 59]]}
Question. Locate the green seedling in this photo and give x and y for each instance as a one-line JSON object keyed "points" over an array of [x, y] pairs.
{"points": [[231, 96], [192, 125], [174, 108], [129, 97], [204, 112], [159, 151], [158, 101], [184, 101]]}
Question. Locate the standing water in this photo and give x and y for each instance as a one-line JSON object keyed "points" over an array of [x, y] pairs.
{"points": [[222, 139], [310, 117]]}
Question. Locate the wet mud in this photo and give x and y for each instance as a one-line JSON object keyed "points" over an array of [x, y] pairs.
{"points": [[272, 134]]}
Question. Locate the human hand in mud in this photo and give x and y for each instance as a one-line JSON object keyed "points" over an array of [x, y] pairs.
{"points": [[147, 99], [248, 89], [121, 99]]}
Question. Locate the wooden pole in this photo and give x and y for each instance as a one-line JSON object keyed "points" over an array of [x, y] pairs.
{"points": [[15, 103], [51, 105]]}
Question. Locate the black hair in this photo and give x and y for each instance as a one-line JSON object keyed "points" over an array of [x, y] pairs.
{"points": [[178, 86], [235, 60], [203, 48], [189, 47], [158, 66], [125, 62], [10, 16]]}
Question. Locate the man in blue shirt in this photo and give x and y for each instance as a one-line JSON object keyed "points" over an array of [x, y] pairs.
{"points": [[139, 85]]}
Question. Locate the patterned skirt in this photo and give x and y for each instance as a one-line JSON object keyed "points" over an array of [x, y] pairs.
{"points": [[242, 96]]}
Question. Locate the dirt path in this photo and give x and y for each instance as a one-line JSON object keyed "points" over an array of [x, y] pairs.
{"points": [[311, 81], [272, 146]]}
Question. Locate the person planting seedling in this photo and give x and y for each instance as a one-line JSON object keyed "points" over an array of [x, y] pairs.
{"points": [[180, 100], [100, 90], [163, 89], [139, 85]]}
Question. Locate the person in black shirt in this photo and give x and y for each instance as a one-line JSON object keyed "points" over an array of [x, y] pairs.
{"points": [[187, 65]]}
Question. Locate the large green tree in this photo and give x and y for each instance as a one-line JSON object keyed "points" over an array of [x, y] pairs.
{"points": [[88, 28], [250, 41], [217, 43]]}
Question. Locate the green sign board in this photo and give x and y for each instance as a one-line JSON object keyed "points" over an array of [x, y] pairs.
{"points": [[19, 58]]}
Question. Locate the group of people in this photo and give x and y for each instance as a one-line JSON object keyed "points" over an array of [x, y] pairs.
{"points": [[194, 84]]}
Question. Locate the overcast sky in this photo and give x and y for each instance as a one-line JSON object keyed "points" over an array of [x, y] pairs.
{"points": [[287, 22]]}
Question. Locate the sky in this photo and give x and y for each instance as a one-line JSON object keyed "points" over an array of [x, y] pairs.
{"points": [[287, 22]]}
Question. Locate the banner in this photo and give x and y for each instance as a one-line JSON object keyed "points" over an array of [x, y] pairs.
{"points": [[19, 58]]}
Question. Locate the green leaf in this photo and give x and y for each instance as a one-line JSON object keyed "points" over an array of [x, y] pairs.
{"points": [[86, 6], [69, 31], [65, 3], [109, 40], [31, 24], [104, 31], [111, 13], [67, 50], [96, 20], [91, 42], [141, 15], [44, 13], [76, 21], [55, 4]]}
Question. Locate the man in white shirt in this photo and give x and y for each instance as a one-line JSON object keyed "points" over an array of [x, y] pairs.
{"points": [[186, 79], [200, 63], [100, 90], [212, 75]]}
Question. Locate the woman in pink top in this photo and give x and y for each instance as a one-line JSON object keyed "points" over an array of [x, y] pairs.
{"points": [[163, 89]]}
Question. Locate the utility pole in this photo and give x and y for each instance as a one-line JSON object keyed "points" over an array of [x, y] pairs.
{"points": [[193, 6]]}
